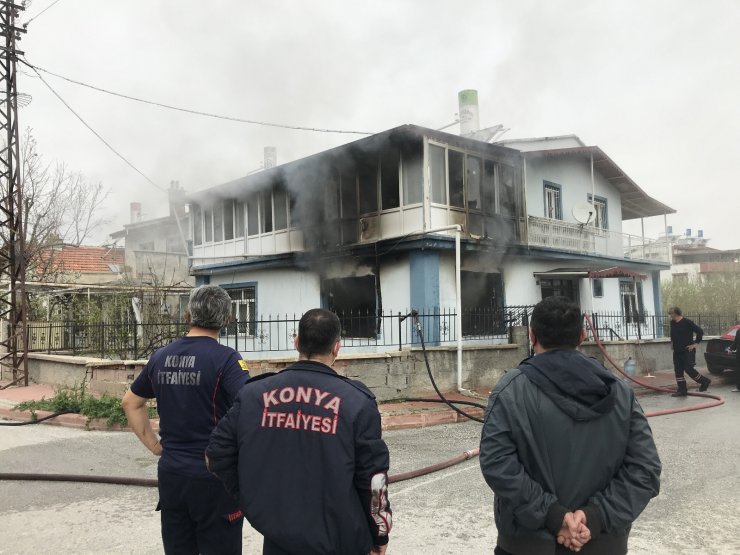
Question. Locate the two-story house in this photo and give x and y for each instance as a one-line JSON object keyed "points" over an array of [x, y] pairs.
{"points": [[356, 229]]}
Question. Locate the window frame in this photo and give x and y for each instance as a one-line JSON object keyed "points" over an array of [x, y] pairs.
{"points": [[558, 190], [594, 199]]}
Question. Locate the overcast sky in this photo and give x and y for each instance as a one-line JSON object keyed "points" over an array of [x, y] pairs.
{"points": [[655, 84]]}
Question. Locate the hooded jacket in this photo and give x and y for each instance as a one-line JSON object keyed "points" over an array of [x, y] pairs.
{"points": [[562, 433]]}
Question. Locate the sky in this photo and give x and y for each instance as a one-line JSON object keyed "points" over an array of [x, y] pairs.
{"points": [[655, 84]]}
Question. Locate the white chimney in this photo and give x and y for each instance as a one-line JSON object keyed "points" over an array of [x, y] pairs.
{"points": [[468, 110], [270, 157], [135, 212]]}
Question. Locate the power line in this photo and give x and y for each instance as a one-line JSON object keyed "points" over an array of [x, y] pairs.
{"points": [[106, 143], [195, 112], [42, 11]]}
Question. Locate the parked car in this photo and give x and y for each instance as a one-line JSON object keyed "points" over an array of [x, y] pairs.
{"points": [[719, 354]]}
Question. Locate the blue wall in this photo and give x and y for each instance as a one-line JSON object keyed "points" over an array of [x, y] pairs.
{"points": [[424, 276]]}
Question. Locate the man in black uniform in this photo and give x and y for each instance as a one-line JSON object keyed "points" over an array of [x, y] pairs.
{"points": [[565, 447], [195, 381], [736, 348], [303, 450], [684, 351]]}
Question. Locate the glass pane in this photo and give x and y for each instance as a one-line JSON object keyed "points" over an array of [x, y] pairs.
{"points": [[437, 173], [252, 216], [389, 195], [266, 211], [413, 176], [208, 225], [197, 225], [474, 183], [368, 177], [489, 187], [507, 196], [456, 179], [279, 197], [239, 219], [228, 220], [218, 222]]}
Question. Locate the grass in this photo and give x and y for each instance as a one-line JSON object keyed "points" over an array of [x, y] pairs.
{"points": [[76, 399]]}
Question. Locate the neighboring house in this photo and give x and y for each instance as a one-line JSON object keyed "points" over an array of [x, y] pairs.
{"points": [[352, 229], [156, 249], [693, 260], [80, 264]]}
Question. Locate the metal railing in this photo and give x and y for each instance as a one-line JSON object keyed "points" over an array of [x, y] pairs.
{"points": [[616, 326], [557, 234]]}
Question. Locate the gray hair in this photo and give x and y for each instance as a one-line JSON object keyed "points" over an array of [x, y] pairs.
{"points": [[209, 307]]}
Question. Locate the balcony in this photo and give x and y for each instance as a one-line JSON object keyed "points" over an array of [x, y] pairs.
{"points": [[585, 239]]}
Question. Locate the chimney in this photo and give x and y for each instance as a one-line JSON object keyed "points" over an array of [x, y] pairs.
{"points": [[135, 212], [468, 110], [270, 157], [176, 197]]}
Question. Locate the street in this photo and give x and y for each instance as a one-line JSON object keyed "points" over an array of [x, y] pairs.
{"points": [[450, 512]]}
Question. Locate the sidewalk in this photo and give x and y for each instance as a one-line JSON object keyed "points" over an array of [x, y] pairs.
{"points": [[395, 415]]}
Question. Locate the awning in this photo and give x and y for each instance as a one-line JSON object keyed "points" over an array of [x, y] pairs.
{"points": [[578, 273]]}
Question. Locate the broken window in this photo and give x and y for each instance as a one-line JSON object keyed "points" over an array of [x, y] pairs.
{"points": [[368, 178], [474, 172], [482, 299], [228, 220], [507, 193], [488, 192], [352, 299], [389, 165], [437, 174], [456, 179], [413, 177]]}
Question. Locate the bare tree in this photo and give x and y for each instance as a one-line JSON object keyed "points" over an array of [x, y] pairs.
{"points": [[60, 207]]}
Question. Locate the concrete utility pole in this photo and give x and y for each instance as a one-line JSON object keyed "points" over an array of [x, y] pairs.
{"points": [[14, 342]]}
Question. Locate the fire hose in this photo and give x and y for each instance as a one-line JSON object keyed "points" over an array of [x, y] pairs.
{"points": [[464, 456]]}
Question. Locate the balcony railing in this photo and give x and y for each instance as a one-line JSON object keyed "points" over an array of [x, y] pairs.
{"points": [[586, 239]]}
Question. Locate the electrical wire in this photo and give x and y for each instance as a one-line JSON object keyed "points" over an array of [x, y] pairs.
{"points": [[195, 112], [42, 11]]}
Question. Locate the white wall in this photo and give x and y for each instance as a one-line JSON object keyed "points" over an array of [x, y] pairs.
{"points": [[573, 174], [395, 285]]}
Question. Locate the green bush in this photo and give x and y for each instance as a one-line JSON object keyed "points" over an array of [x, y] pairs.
{"points": [[75, 399]]}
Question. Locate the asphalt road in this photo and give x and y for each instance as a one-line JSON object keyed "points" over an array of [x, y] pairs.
{"points": [[697, 512]]}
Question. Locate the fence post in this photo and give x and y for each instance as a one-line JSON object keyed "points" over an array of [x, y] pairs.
{"points": [[595, 331], [102, 342], [48, 340], [74, 339], [136, 339], [399, 331]]}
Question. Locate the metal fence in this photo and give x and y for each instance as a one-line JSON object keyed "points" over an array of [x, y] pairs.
{"points": [[370, 330]]}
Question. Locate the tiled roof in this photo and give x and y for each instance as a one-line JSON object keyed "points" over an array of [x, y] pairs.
{"points": [[84, 259]]}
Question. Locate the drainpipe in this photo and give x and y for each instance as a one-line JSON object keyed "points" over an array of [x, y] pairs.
{"points": [[458, 299]]}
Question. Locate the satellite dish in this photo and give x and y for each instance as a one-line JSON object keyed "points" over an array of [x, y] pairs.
{"points": [[584, 212]]}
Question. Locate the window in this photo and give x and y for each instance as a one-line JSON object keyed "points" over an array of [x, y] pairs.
{"points": [[413, 177], [567, 288], [228, 220], [280, 198], [348, 193], [243, 303], [197, 225], [208, 225], [598, 287], [265, 212], [600, 218], [252, 216], [389, 167], [553, 204], [353, 301], [368, 178], [437, 174], [218, 222], [456, 179], [474, 172], [239, 219], [489, 187], [507, 193], [631, 294], [482, 300]]}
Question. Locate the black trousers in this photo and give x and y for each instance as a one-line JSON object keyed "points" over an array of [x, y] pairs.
{"points": [[198, 517], [684, 361]]}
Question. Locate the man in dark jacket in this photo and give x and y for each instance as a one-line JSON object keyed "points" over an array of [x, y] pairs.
{"points": [[684, 345], [565, 447], [195, 381], [303, 451]]}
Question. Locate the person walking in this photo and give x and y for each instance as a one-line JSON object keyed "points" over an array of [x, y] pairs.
{"points": [[565, 447], [303, 451], [736, 348], [195, 381], [685, 338]]}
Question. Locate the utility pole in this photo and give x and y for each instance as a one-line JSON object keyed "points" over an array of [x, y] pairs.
{"points": [[14, 341]]}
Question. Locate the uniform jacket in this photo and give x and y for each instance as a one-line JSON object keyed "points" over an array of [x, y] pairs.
{"points": [[562, 433], [303, 451]]}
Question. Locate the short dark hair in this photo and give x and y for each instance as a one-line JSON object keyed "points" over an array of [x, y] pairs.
{"points": [[557, 323], [209, 307], [675, 310], [318, 331]]}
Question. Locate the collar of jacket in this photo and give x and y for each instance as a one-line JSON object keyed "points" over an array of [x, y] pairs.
{"points": [[312, 366]]}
